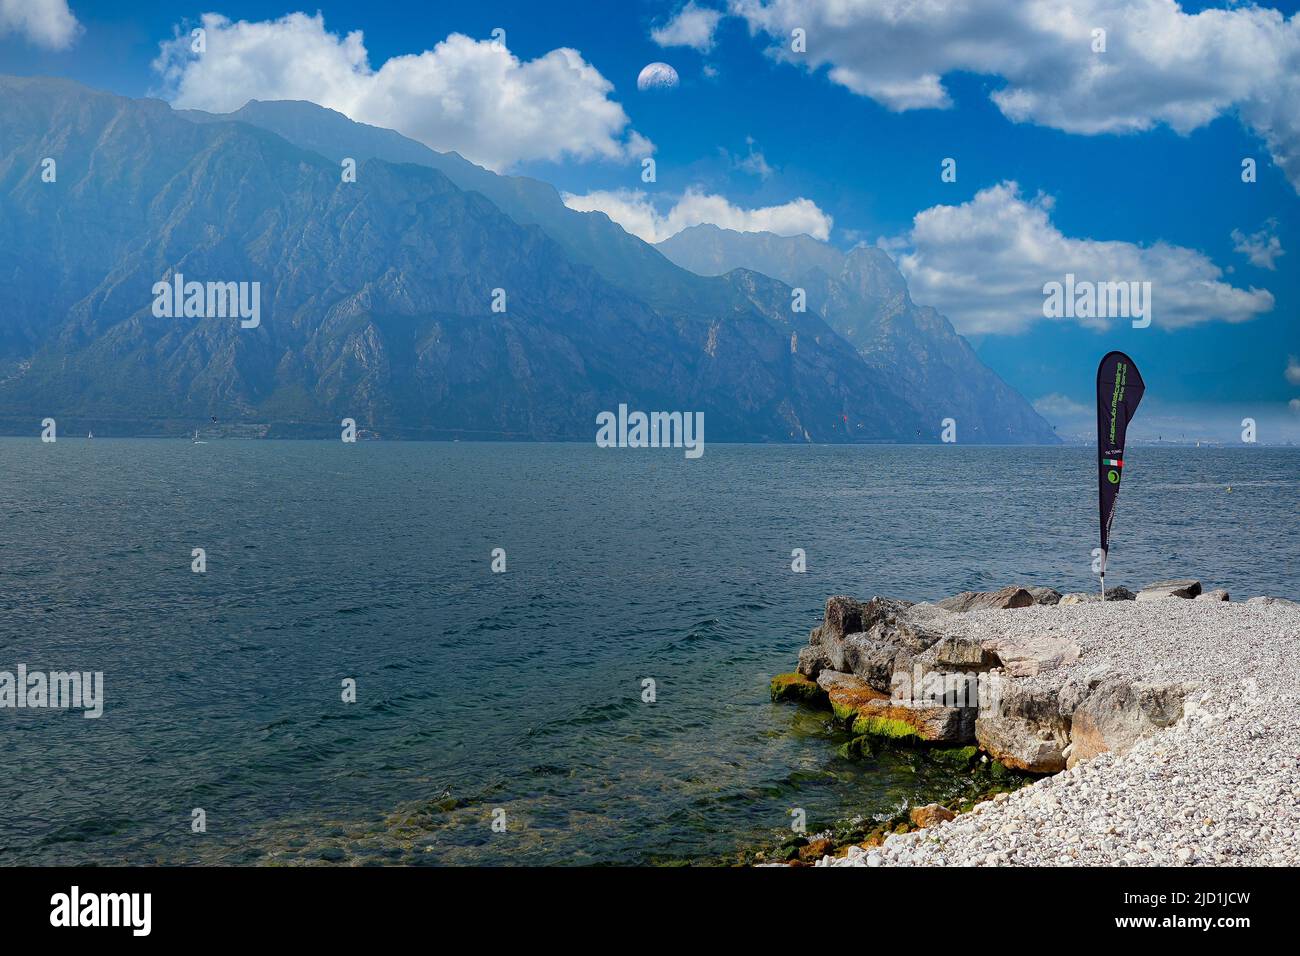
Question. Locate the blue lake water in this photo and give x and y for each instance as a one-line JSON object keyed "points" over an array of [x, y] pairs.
{"points": [[519, 691]]}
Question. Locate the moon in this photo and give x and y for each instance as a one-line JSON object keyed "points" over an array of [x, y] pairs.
{"points": [[657, 76]]}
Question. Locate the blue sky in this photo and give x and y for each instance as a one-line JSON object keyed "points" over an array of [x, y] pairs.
{"points": [[860, 138]]}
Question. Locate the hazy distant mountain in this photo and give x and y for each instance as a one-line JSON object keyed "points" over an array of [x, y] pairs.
{"points": [[375, 294], [861, 295], [864, 297], [590, 238]]}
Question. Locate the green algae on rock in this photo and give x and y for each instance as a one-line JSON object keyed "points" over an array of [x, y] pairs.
{"points": [[798, 688]]}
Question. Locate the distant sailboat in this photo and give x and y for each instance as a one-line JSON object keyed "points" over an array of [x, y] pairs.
{"points": [[196, 438], [90, 434]]}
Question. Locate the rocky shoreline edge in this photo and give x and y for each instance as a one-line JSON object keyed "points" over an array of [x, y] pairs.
{"points": [[1021, 686]]}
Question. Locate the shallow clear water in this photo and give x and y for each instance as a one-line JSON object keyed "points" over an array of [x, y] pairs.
{"points": [[520, 691]]}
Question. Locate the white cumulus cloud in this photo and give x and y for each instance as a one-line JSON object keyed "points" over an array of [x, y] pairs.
{"points": [[984, 263], [638, 214], [1160, 64], [47, 23], [691, 26], [471, 96], [1261, 248], [1293, 370]]}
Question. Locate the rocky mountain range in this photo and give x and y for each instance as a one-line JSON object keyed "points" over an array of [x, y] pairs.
{"points": [[377, 294], [864, 297]]}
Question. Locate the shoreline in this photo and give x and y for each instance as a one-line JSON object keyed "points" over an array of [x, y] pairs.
{"points": [[1158, 722]]}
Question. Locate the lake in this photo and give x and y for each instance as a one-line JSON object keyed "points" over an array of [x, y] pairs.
{"points": [[519, 692]]}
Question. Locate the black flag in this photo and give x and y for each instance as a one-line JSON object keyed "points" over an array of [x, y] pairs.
{"points": [[1119, 389]]}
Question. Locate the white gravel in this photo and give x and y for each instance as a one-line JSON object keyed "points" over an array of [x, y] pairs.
{"points": [[1221, 787]]}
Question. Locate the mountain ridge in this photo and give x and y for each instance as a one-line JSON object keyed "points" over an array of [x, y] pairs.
{"points": [[864, 297], [377, 291], [377, 299]]}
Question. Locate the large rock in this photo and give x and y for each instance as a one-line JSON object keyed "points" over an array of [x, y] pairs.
{"points": [[1030, 656], [1008, 597], [1117, 593], [1024, 728], [846, 616], [1269, 600], [904, 634], [874, 661], [796, 687], [1118, 713], [1045, 596], [843, 616], [959, 654], [887, 643], [1218, 594], [848, 694], [928, 724], [932, 814], [1077, 687], [829, 680], [1179, 588], [947, 673], [813, 659]]}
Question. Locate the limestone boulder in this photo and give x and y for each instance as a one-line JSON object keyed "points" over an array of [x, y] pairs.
{"points": [[917, 724], [1008, 597], [846, 616], [959, 654], [1179, 588], [1023, 728], [1029, 656], [813, 659], [873, 661], [846, 701], [829, 680], [1118, 713], [843, 616], [1045, 596]]}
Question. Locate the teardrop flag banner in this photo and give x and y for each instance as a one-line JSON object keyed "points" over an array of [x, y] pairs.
{"points": [[1119, 390]]}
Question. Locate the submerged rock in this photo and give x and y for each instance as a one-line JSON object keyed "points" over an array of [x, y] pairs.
{"points": [[1008, 597], [1179, 588], [796, 687], [961, 757], [816, 849], [856, 748]]}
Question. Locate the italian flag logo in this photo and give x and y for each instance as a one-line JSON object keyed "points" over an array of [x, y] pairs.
{"points": [[1113, 462]]}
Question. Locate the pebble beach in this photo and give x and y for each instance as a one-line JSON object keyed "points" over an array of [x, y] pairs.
{"points": [[1220, 786]]}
